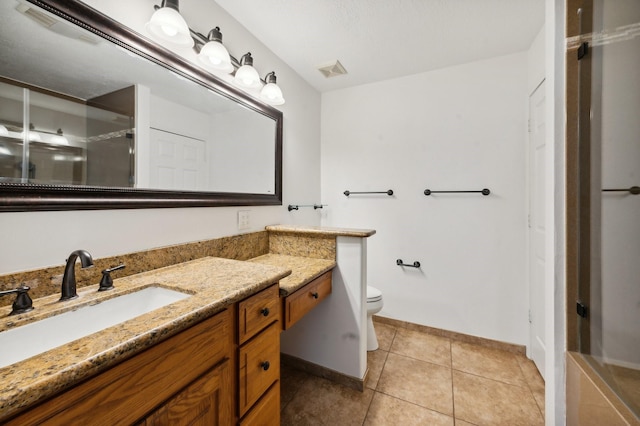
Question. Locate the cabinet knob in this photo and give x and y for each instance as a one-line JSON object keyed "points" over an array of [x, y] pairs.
{"points": [[264, 311], [265, 365], [314, 295]]}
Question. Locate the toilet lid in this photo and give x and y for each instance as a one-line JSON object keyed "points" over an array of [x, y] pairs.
{"points": [[373, 294]]}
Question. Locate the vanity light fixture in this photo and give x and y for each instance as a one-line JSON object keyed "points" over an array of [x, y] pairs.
{"points": [[271, 93], [169, 26], [4, 131], [214, 55], [246, 75]]}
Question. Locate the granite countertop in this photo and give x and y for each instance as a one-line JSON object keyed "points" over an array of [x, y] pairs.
{"points": [[304, 269], [213, 283], [321, 230]]}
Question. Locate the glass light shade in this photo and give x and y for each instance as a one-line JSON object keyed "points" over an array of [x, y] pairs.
{"points": [[272, 94], [215, 55], [59, 139], [33, 136], [247, 76], [169, 26], [4, 131]]}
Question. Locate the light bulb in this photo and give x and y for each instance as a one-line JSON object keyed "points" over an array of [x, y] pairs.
{"points": [[169, 30]]}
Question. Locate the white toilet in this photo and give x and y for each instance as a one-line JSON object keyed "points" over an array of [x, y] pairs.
{"points": [[374, 305]]}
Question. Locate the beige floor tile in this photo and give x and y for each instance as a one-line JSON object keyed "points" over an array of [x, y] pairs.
{"points": [[322, 402], [291, 380], [385, 334], [483, 401], [487, 362], [375, 363], [530, 372], [463, 423], [419, 382], [534, 380], [422, 346], [538, 395], [386, 410]]}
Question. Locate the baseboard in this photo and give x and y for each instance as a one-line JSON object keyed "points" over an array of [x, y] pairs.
{"points": [[461, 337], [324, 372]]}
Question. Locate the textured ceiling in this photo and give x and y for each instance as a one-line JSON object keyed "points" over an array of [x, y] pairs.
{"points": [[381, 39]]}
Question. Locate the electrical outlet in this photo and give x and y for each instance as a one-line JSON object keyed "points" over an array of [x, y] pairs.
{"points": [[244, 221]]}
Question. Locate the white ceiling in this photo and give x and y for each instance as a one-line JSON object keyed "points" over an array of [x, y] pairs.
{"points": [[381, 39]]}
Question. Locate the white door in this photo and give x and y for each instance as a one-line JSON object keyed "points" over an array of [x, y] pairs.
{"points": [[177, 162], [536, 179]]}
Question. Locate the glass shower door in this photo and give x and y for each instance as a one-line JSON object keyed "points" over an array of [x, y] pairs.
{"points": [[610, 327]]}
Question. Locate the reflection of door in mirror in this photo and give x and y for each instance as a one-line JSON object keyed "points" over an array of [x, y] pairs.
{"points": [[69, 141]]}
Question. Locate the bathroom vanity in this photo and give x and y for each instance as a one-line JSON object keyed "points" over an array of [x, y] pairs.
{"points": [[180, 361], [330, 340], [213, 356]]}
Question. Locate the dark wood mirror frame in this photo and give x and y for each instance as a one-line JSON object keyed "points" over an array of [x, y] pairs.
{"points": [[30, 197]]}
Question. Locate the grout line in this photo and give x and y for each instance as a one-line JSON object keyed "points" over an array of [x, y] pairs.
{"points": [[531, 390], [413, 403], [366, 414], [492, 379]]}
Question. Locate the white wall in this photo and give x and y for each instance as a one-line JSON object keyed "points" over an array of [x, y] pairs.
{"points": [[37, 239], [555, 244], [461, 128], [536, 69]]}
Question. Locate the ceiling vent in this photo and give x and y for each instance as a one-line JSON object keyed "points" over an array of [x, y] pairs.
{"points": [[333, 69], [57, 26]]}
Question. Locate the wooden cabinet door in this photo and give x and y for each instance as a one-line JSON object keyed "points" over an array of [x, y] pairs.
{"points": [[206, 402]]}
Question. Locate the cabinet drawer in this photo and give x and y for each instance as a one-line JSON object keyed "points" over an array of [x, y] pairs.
{"points": [[267, 410], [303, 300], [259, 366], [257, 312]]}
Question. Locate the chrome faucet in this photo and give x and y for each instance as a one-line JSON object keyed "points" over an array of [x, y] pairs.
{"points": [[69, 278]]}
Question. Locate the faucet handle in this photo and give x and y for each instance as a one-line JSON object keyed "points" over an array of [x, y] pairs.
{"points": [[23, 302], [106, 283]]}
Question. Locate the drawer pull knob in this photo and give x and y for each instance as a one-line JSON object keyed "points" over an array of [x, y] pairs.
{"points": [[314, 295], [264, 311], [265, 365]]}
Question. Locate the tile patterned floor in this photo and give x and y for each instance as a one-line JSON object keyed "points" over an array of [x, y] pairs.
{"points": [[421, 379]]}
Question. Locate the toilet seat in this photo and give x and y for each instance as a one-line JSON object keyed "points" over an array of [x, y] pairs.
{"points": [[373, 294]]}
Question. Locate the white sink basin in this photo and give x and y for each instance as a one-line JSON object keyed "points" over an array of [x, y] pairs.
{"points": [[32, 339]]}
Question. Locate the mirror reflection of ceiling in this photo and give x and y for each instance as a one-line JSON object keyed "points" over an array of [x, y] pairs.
{"points": [[34, 39]]}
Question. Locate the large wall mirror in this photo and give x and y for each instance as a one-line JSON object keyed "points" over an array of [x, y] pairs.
{"points": [[93, 115]]}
